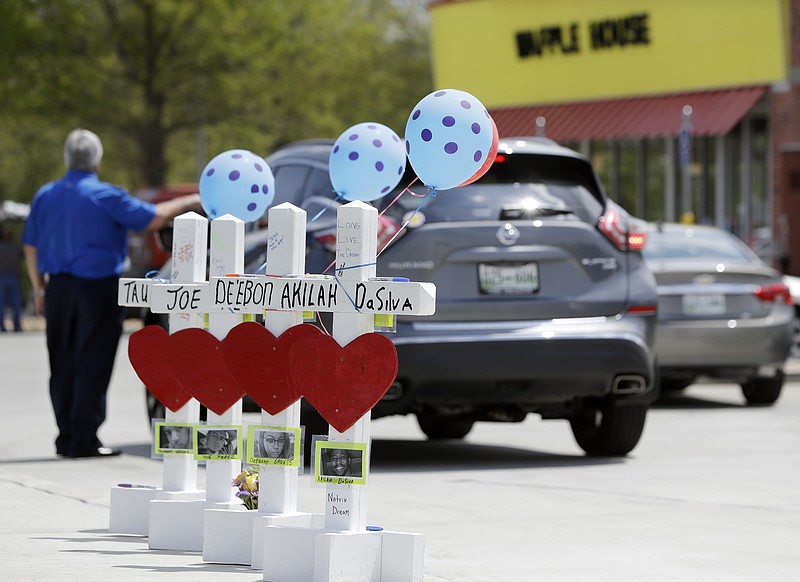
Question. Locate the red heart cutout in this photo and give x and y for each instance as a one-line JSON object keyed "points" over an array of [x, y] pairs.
{"points": [[195, 357], [344, 383], [260, 363], [146, 351]]}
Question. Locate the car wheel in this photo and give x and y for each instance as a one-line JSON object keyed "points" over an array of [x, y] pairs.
{"points": [[763, 390], [438, 427], [608, 429]]}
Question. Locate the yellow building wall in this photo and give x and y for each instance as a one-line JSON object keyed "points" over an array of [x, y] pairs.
{"points": [[650, 47]]}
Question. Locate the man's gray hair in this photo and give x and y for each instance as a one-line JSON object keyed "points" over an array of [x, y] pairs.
{"points": [[82, 150]]}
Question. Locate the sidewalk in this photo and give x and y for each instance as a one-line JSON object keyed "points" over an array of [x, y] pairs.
{"points": [[712, 482], [55, 512]]}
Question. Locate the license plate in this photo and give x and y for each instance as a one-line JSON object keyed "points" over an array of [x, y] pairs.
{"points": [[508, 278], [708, 304]]}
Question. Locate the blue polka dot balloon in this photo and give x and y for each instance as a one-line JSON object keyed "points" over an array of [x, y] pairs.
{"points": [[366, 162], [448, 138], [237, 182]]}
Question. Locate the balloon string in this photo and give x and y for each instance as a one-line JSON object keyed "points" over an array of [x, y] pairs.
{"points": [[431, 194], [348, 268], [406, 189], [154, 275], [322, 324], [324, 208], [346, 293]]}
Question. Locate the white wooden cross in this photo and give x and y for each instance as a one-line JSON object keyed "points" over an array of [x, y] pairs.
{"points": [[354, 296], [189, 254], [227, 256], [180, 299]]}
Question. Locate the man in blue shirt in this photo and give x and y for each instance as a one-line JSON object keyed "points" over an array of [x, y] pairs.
{"points": [[75, 245]]}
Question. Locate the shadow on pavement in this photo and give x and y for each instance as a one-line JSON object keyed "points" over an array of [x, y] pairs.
{"points": [[403, 455], [138, 449], [136, 545], [680, 401], [53, 459]]}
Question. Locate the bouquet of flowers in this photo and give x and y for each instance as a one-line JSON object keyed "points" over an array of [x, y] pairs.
{"points": [[247, 482]]}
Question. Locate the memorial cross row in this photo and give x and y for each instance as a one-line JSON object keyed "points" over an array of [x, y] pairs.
{"points": [[354, 295]]}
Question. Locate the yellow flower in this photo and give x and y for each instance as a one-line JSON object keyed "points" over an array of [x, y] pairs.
{"points": [[250, 483]]}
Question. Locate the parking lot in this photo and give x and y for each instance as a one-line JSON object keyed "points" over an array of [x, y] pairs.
{"points": [[712, 492]]}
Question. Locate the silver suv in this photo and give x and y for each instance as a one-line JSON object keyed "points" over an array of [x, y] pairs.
{"points": [[544, 304]]}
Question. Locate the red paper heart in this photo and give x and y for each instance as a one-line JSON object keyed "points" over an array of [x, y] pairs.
{"points": [[260, 363], [195, 357], [343, 383], [147, 350]]}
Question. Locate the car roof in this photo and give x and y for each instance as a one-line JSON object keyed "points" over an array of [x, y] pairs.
{"points": [[313, 149], [320, 149], [536, 145]]}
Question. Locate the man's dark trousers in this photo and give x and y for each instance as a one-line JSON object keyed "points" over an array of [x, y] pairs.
{"points": [[84, 324]]}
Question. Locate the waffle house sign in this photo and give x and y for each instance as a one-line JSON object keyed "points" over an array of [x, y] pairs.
{"points": [[521, 52], [625, 31]]}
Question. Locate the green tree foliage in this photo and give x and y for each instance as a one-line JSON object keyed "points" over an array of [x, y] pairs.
{"points": [[168, 84]]}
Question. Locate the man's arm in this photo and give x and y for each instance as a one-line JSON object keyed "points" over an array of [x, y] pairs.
{"points": [[37, 279], [169, 209]]}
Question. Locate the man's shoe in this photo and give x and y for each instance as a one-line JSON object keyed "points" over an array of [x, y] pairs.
{"points": [[98, 452]]}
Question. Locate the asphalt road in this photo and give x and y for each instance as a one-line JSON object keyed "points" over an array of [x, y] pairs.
{"points": [[712, 493]]}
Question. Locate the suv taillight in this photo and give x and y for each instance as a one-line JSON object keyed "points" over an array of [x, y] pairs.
{"points": [[615, 224], [387, 231], [774, 292]]}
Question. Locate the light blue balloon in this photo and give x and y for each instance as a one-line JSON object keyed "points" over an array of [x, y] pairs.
{"points": [[448, 138], [366, 162], [237, 182]]}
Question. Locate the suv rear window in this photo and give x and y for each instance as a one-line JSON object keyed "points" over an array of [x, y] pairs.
{"points": [[516, 187]]}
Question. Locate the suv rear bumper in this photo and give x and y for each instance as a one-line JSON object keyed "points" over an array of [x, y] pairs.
{"points": [[525, 364]]}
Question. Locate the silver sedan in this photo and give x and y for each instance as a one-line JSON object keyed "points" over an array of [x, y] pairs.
{"points": [[722, 312]]}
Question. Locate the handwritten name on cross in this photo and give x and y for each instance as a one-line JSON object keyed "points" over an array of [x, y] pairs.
{"points": [[258, 293]]}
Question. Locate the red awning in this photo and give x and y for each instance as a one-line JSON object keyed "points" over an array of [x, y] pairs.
{"points": [[713, 113]]}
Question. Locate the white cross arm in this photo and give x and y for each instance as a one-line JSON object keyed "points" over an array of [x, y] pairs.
{"points": [[255, 293], [134, 292]]}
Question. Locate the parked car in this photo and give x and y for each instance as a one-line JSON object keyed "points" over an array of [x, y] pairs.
{"points": [[793, 283], [544, 304], [722, 311]]}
